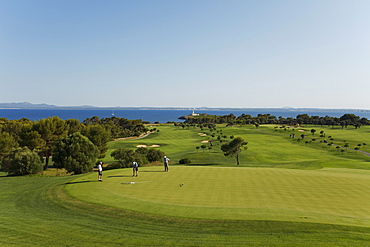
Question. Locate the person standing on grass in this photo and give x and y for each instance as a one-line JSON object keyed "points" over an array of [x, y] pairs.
{"points": [[100, 171], [166, 161], [135, 169]]}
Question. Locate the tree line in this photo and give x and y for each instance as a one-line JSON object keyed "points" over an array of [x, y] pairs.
{"points": [[26, 146], [245, 119]]}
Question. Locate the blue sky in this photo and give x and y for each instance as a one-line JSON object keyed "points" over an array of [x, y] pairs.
{"points": [[190, 53]]}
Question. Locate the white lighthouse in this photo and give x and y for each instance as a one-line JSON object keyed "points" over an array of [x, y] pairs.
{"points": [[194, 114]]}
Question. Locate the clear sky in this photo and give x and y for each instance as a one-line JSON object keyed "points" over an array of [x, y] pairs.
{"points": [[186, 53]]}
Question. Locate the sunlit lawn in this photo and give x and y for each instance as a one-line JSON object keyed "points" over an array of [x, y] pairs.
{"points": [[285, 193]]}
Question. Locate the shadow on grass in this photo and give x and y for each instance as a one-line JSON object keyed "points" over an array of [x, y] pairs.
{"points": [[3, 175], [119, 176], [80, 182], [151, 171], [200, 164]]}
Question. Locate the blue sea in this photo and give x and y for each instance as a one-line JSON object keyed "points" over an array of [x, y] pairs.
{"points": [[164, 116]]}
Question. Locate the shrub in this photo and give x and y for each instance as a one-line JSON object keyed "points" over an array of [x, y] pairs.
{"points": [[76, 153], [154, 155], [184, 161], [126, 156], [113, 166], [22, 161]]}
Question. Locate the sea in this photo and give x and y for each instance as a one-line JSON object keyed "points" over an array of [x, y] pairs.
{"points": [[165, 115]]}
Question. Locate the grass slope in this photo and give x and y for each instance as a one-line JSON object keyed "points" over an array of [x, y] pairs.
{"points": [[266, 147], [37, 212]]}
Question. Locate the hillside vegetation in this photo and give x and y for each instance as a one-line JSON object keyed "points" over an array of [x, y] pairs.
{"points": [[268, 146]]}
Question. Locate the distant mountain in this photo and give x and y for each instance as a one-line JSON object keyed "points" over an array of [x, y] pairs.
{"points": [[27, 105]]}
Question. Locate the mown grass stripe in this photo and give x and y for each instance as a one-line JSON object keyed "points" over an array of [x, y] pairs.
{"points": [[247, 193], [53, 218]]}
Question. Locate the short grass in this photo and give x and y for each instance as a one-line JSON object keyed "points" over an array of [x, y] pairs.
{"points": [[334, 196], [36, 211], [321, 200]]}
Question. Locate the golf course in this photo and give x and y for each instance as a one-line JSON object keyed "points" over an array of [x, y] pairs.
{"points": [[307, 189]]}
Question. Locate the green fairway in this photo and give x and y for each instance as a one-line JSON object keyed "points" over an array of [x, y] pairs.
{"points": [[266, 147], [37, 212], [235, 193], [286, 192]]}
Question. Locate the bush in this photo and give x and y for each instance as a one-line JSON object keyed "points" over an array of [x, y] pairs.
{"points": [[126, 156], [184, 161], [113, 166], [76, 153], [154, 155], [22, 161]]}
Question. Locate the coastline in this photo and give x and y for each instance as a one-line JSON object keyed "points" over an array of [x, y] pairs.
{"points": [[165, 115]]}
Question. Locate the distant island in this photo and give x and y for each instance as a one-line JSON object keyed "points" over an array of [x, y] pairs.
{"points": [[27, 105]]}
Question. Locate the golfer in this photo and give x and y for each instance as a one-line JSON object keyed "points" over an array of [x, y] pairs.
{"points": [[135, 169], [100, 171], [166, 161]]}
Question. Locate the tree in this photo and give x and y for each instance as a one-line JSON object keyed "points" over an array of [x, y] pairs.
{"points": [[350, 117], [76, 153], [22, 161], [13, 127], [343, 123], [303, 118], [150, 154], [51, 129], [234, 148], [7, 143], [313, 131], [357, 125], [126, 156], [154, 155], [98, 135], [74, 126], [30, 138]]}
